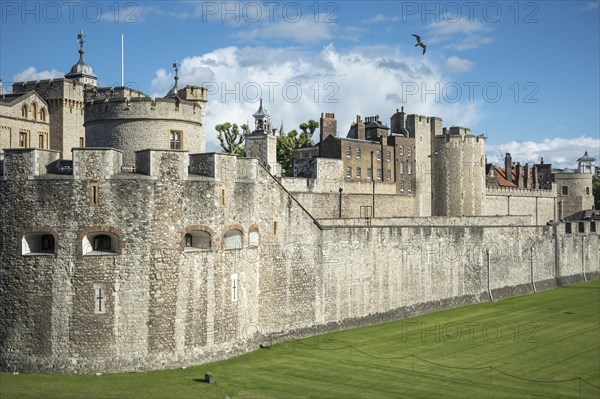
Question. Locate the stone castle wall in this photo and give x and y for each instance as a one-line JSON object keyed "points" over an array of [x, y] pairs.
{"points": [[168, 305], [539, 204]]}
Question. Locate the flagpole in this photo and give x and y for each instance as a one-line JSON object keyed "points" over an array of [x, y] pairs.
{"points": [[122, 62]]}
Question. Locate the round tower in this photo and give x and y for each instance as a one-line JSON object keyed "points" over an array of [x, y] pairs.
{"points": [[458, 173], [131, 121]]}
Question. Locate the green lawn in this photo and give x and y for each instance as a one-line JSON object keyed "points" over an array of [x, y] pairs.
{"points": [[531, 342]]}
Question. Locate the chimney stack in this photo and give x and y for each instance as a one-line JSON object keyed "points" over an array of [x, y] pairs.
{"points": [[518, 180], [327, 125], [508, 167], [360, 128]]}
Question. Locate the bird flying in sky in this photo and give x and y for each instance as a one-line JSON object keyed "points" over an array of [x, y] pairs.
{"points": [[420, 43]]}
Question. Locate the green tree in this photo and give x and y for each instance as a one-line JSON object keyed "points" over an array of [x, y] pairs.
{"points": [[309, 128], [288, 143], [596, 190], [232, 138]]}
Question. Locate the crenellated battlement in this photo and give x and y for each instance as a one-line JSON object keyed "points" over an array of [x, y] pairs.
{"points": [[141, 108], [53, 88], [521, 192], [106, 163]]}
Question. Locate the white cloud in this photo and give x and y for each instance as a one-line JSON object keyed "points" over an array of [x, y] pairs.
{"points": [[560, 152], [299, 84], [456, 64], [591, 5], [383, 18], [32, 73], [305, 30], [460, 35]]}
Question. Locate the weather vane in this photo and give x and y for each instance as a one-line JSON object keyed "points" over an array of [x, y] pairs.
{"points": [[80, 37]]}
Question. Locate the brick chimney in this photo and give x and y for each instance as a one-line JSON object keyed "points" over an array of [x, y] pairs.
{"points": [[360, 128], [508, 167], [327, 125]]}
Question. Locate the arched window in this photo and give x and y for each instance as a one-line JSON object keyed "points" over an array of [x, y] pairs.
{"points": [[232, 240], [401, 186], [253, 237], [197, 240], [100, 243], [409, 151], [401, 150], [409, 168], [34, 111], [24, 111], [43, 114], [409, 186], [37, 243]]}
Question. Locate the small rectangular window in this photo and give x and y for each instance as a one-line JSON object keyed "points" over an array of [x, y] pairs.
{"points": [[358, 153], [378, 155], [401, 168], [581, 227], [388, 174], [358, 173], [587, 191], [401, 150], [568, 229], [349, 172], [176, 139], [81, 142], [94, 191], [593, 227], [275, 228], [23, 139], [565, 190], [41, 141], [369, 173], [348, 152], [389, 156], [409, 167], [409, 186], [378, 174], [409, 151]]}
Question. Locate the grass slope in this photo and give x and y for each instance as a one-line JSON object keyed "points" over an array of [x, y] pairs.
{"points": [[549, 336]]}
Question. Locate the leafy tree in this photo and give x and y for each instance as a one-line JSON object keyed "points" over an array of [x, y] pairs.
{"points": [[288, 143], [309, 128], [596, 190], [232, 137]]}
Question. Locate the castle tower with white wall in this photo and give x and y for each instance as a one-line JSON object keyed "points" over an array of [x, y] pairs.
{"points": [[459, 178], [423, 129]]}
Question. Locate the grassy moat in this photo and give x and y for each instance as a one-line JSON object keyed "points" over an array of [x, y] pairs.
{"points": [[540, 345]]}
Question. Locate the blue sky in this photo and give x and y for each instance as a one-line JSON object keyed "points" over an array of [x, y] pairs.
{"points": [[525, 74]]}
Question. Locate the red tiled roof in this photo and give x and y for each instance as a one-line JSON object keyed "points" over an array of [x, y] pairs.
{"points": [[502, 182]]}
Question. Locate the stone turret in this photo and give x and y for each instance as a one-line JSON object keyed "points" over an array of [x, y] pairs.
{"points": [[262, 142], [459, 178]]}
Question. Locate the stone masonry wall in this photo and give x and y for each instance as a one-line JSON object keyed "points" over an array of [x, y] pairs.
{"points": [[168, 305]]}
